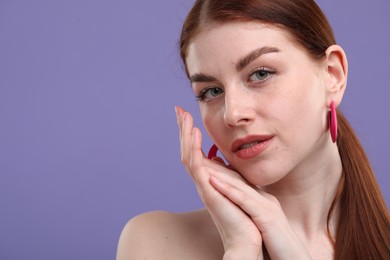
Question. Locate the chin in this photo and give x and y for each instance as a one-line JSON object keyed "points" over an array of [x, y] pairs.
{"points": [[260, 175]]}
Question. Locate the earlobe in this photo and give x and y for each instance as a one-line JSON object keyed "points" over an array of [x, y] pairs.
{"points": [[337, 69]]}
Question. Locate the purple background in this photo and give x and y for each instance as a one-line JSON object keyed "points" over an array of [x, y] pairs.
{"points": [[88, 135]]}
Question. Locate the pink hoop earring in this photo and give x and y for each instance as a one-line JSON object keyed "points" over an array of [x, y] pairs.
{"points": [[212, 152], [332, 121]]}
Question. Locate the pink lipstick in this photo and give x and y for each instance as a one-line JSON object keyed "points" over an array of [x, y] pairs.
{"points": [[251, 146]]}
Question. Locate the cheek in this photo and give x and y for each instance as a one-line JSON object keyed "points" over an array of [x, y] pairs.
{"points": [[214, 125], [300, 108], [210, 122]]}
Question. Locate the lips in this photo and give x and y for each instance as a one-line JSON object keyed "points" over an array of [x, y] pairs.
{"points": [[251, 146], [245, 146], [249, 141]]}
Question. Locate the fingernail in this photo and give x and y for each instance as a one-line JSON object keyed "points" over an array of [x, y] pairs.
{"points": [[177, 115], [183, 120]]}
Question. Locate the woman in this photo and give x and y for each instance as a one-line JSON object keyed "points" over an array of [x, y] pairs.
{"points": [[268, 76]]}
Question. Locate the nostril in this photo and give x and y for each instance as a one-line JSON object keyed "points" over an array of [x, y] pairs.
{"points": [[237, 118], [238, 108]]}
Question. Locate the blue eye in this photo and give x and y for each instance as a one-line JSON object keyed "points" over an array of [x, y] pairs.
{"points": [[260, 74], [209, 94]]}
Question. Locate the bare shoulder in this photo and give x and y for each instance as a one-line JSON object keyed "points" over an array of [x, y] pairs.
{"points": [[164, 235]]}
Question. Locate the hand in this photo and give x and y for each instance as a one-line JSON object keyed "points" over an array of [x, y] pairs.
{"points": [[240, 236], [266, 213], [245, 216]]}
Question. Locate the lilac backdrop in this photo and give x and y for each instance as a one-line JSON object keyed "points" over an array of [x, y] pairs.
{"points": [[88, 135]]}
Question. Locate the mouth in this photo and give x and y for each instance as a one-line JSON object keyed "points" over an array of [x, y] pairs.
{"points": [[250, 146], [245, 146], [249, 141]]}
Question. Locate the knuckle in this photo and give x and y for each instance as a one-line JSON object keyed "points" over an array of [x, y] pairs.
{"points": [[184, 160], [196, 166]]}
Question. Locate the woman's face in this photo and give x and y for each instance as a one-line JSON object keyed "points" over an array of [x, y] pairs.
{"points": [[262, 99]]}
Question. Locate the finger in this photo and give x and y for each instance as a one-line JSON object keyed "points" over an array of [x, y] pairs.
{"points": [[230, 219], [179, 118], [256, 205], [201, 172], [236, 196], [186, 139], [179, 115], [198, 157], [220, 170], [219, 160]]}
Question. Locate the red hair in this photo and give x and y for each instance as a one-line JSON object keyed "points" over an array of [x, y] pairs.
{"points": [[363, 230]]}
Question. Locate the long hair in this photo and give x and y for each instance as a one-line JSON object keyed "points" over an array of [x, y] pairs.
{"points": [[363, 228]]}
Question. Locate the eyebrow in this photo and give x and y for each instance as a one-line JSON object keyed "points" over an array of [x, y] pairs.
{"points": [[199, 77], [242, 63], [253, 55]]}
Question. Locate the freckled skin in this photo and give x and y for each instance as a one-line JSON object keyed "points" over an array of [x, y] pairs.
{"points": [[291, 104]]}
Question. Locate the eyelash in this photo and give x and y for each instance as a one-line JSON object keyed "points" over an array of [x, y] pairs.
{"points": [[269, 72], [202, 95]]}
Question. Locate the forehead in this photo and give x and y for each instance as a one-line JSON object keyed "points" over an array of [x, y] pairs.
{"points": [[228, 42]]}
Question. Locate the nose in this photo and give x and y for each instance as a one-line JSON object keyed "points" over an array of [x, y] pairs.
{"points": [[239, 108]]}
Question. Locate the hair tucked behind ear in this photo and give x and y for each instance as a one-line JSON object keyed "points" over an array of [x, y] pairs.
{"points": [[363, 231]]}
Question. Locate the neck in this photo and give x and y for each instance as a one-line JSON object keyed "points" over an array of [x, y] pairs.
{"points": [[307, 193]]}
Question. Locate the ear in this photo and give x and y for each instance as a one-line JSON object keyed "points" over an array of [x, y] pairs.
{"points": [[337, 72]]}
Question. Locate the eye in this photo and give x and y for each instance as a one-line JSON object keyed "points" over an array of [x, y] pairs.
{"points": [[260, 74], [209, 94]]}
